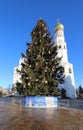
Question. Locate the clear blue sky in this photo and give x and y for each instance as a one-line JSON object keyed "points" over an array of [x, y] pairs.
{"points": [[18, 18]]}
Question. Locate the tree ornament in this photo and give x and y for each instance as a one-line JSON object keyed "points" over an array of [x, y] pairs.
{"points": [[36, 64], [46, 44], [45, 70], [30, 66], [24, 86], [37, 80], [43, 59], [33, 59], [33, 32], [49, 52], [39, 32], [38, 56], [29, 50], [44, 34], [35, 43], [40, 40], [53, 69], [29, 84], [50, 74], [46, 81], [45, 28]]}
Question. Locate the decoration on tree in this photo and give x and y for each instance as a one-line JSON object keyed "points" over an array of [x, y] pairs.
{"points": [[38, 56], [40, 40], [46, 81], [49, 52], [35, 43], [29, 50], [44, 34], [36, 64], [29, 84], [45, 70], [37, 80], [53, 69], [33, 32], [39, 32], [46, 44], [30, 66], [45, 28]]}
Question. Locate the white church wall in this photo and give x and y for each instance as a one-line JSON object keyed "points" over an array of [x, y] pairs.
{"points": [[69, 82]]}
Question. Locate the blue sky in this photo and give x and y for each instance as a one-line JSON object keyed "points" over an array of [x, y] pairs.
{"points": [[18, 18]]}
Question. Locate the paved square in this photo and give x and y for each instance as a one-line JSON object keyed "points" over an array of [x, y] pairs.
{"points": [[14, 117]]}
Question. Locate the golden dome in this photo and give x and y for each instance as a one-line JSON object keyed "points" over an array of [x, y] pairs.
{"points": [[59, 26]]}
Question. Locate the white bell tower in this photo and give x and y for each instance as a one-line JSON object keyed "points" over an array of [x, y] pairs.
{"points": [[59, 40]]}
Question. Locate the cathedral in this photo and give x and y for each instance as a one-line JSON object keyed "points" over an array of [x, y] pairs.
{"points": [[69, 82]]}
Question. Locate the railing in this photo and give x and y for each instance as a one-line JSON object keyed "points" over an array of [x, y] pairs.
{"points": [[63, 103], [76, 103]]}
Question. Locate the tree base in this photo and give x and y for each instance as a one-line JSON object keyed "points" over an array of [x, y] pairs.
{"points": [[41, 102]]}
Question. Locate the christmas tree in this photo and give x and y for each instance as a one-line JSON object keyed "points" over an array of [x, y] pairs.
{"points": [[41, 71]]}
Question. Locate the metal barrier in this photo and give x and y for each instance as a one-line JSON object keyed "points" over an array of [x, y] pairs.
{"points": [[63, 103], [75, 103]]}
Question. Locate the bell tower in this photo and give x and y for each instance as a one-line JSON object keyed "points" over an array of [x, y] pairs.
{"points": [[60, 41], [69, 82]]}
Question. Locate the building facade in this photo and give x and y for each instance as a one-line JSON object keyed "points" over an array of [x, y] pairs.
{"points": [[69, 82], [17, 76]]}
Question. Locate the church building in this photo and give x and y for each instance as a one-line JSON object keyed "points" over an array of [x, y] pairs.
{"points": [[69, 82]]}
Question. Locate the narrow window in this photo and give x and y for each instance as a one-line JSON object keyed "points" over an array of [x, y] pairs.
{"points": [[59, 46], [69, 70]]}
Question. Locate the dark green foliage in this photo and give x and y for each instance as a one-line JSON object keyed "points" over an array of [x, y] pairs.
{"points": [[80, 89], [19, 88], [79, 92], [41, 71], [63, 93]]}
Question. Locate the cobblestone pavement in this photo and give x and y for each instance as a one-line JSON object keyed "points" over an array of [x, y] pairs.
{"points": [[14, 117]]}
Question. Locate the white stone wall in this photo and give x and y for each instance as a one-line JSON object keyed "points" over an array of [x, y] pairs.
{"points": [[17, 76], [69, 82]]}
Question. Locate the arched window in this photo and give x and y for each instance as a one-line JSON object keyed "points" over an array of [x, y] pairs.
{"points": [[59, 46], [70, 70]]}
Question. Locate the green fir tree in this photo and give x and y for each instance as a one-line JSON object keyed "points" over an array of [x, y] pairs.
{"points": [[41, 71]]}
